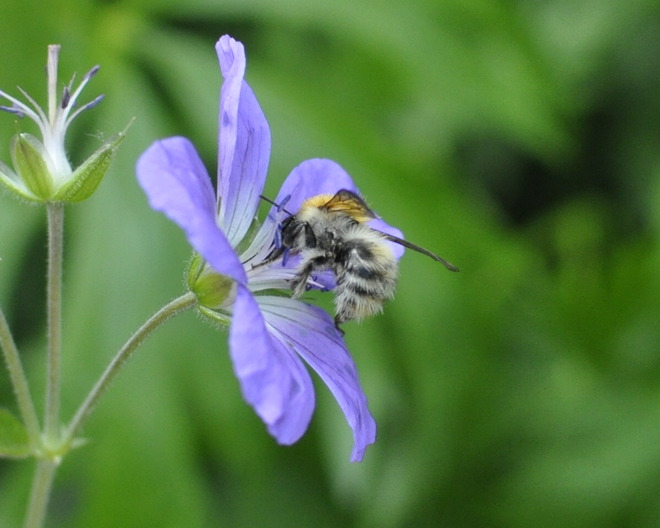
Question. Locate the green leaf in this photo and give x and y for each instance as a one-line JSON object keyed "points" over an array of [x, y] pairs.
{"points": [[86, 178], [13, 437]]}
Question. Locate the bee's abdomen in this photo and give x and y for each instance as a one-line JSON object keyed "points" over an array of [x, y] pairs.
{"points": [[366, 278]]}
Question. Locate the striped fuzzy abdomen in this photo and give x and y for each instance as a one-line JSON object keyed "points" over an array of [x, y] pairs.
{"points": [[366, 272]]}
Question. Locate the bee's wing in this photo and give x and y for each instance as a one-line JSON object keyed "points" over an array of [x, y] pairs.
{"points": [[419, 249], [347, 202]]}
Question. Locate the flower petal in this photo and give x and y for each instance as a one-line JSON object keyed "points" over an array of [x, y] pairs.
{"points": [[244, 144], [312, 177], [176, 183], [273, 379], [313, 335]]}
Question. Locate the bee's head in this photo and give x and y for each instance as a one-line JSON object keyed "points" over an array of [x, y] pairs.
{"points": [[297, 233]]}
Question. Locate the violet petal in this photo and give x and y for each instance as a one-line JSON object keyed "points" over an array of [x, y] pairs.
{"points": [[273, 379], [312, 177], [244, 144], [176, 183], [313, 335]]}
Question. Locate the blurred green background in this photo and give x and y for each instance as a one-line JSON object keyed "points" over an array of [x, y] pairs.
{"points": [[518, 139]]}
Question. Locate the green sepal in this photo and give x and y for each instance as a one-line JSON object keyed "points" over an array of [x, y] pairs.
{"points": [[86, 178], [195, 268], [217, 317], [211, 288], [10, 180], [13, 436], [28, 155]]}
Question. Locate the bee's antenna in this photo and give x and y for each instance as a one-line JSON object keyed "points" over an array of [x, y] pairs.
{"points": [[280, 207], [419, 249]]}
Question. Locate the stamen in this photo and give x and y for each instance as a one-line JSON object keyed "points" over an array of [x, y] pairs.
{"points": [[13, 110], [285, 257], [92, 103], [66, 97], [278, 236], [37, 108], [82, 84], [66, 93], [279, 207], [91, 73], [284, 201], [20, 108], [87, 106]]}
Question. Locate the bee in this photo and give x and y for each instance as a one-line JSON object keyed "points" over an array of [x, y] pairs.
{"points": [[330, 232]]}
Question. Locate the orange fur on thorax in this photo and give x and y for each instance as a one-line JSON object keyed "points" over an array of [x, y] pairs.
{"points": [[351, 208]]}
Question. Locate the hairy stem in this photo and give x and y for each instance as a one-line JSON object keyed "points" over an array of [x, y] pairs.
{"points": [[188, 300], [19, 383], [41, 485], [54, 310]]}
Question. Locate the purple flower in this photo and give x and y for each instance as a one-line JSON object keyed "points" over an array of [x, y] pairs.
{"points": [[268, 334]]}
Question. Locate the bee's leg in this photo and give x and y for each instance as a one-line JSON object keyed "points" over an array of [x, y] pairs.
{"points": [[338, 321], [299, 283], [309, 266], [274, 255]]}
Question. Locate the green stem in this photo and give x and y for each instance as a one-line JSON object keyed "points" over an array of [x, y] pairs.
{"points": [[187, 300], [41, 485], [54, 310], [19, 383]]}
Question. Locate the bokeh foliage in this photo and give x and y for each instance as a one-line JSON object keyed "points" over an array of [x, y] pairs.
{"points": [[519, 139]]}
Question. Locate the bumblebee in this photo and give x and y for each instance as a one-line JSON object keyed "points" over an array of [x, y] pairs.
{"points": [[330, 232]]}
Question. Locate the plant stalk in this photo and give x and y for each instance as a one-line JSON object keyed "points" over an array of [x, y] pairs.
{"points": [[41, 486], [54, 311], [185, 301], [19, 383]]}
